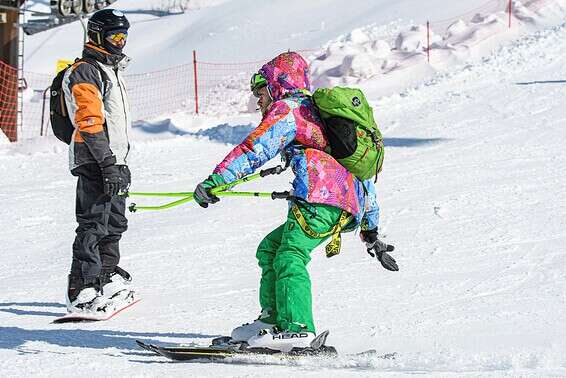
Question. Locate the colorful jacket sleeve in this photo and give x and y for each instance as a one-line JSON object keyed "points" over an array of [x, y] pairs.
{"points": [[370, 219], [86, 109], [274, 133]]}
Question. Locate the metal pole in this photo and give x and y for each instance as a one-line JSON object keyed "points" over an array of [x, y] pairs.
{"points": [[82, 20], [195, 80], [510, 11], [428, 41]]}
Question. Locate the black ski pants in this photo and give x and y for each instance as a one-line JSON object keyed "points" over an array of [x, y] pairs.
{"points": [[102, 221]]}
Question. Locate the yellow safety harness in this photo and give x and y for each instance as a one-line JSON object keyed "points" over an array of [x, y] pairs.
{"points": [[333, 248]]}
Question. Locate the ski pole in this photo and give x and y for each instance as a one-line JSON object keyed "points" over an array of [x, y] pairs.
{"points": [[189, 194], [159, 194], [133, 207], [266, 172], [274, 195]]}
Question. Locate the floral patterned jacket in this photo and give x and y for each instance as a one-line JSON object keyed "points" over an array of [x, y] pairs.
{"points": [[292, 127]]}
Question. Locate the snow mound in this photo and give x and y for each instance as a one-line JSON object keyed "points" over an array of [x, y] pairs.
{"points": [[380, 51]]}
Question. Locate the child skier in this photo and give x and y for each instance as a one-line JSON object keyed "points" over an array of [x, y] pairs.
{"points": [[326, 196]]}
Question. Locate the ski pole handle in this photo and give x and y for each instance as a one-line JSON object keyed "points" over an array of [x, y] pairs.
{"points": [[271, 171], [280, 195]]}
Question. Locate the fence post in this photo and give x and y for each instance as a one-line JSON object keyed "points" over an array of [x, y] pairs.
{"points": [[195, 80], [510, 8], [428, 41]]}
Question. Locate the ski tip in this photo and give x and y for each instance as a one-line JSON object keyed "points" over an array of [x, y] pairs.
{"points": [[319, 341], [145, 346]]}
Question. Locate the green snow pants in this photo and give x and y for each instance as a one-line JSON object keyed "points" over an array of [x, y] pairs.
{"points": [[285, 286]]}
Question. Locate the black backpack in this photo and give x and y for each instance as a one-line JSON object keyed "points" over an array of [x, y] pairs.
{"points": [[59, 116]]}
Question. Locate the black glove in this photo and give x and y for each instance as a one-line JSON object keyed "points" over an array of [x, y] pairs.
{"points": [[116, 179], [202, 194], [377, 248]]}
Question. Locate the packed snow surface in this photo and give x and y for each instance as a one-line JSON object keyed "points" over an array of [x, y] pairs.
{"points": [[471, 196]]}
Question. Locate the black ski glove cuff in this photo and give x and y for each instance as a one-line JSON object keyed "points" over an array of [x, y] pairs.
{"points": [[378, 249], [110, 160], [369, 236]]}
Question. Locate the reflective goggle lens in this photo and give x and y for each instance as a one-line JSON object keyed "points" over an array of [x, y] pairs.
{"points": [[117, 38], [257, 82]]}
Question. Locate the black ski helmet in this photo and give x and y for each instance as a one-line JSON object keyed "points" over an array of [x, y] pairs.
{"points": [[103, 22]]}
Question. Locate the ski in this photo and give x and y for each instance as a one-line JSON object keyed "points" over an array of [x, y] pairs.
{"points": [[75, 317], [222, 349]]}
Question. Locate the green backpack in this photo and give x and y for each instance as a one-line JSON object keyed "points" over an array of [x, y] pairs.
{"points": [[353, 137]]}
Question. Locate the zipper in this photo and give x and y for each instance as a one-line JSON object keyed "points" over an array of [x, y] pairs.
{"points": [[363, 156], [125, 113], [62, 101]]}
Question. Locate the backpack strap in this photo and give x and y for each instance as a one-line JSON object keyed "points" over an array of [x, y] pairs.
{"points": [[106, 82]]}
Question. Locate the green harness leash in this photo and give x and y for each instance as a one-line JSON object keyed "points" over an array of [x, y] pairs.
{"points": [[333, 248]]}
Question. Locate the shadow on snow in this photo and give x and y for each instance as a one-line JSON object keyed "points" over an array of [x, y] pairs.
{"points": [[223, 133], [228, 134], [14, 337], [411, 142], [542, 82], [16, 311]]}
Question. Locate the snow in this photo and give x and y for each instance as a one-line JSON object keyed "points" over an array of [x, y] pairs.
{"points": [[471, 195], [4, 139], [234, 30]]}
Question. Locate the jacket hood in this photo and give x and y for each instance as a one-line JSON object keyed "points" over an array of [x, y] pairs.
{"points": [[286, 75]]}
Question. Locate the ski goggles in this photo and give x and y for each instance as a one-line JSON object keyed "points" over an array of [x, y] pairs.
{"points": [[117, 37], [257, 82]]}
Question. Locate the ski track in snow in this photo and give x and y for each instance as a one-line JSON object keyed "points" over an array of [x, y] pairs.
{"points": [[472, 197]]}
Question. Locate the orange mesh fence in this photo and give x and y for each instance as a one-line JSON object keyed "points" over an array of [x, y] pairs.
{"points": [[156, 93], [9, 101], [221, 85]]}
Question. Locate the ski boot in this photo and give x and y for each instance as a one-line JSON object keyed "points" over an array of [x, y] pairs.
{"points": [[282, 341], [245, 331]]}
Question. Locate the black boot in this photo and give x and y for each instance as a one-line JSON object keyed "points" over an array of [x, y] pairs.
{"points": [[114, 280], [81, 294]]}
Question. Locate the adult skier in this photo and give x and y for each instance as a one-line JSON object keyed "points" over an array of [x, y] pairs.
{"points": [[326, 196], [96, 100]]}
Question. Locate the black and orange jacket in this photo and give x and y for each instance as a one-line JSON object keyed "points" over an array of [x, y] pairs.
{"points": [[100, 111]]}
